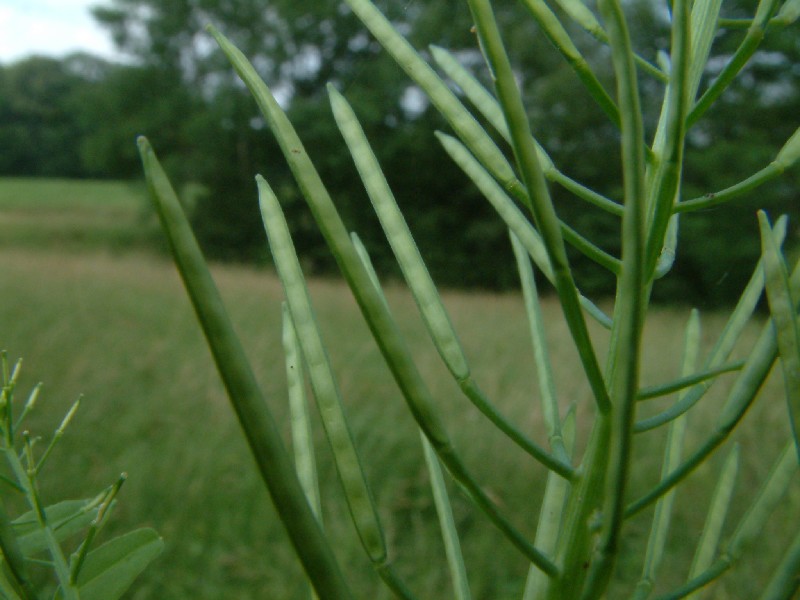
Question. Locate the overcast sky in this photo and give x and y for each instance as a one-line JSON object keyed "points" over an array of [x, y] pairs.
{"points": [[50, 27]]}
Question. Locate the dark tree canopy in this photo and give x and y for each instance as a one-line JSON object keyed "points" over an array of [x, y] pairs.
{"points": [[79, 117]]}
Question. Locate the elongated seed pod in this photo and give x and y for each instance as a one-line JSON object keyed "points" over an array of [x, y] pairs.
{"points": [[262, 434]]}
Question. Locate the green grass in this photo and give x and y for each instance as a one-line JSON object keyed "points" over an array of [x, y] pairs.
{"points": [[74, 214], [118, 329]]}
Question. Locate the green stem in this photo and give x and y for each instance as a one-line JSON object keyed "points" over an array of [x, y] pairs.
{"points": [[539, 200], [749, 381], [751, 42], [13, 556], [558, 36], [733, 329], [573, 553], [513, 217], [630, 308], [664, 389], [487, 106], [26, 481], [455, 559], [713, 199]]}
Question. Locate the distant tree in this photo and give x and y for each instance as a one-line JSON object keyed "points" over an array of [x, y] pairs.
{"points": [[122, 103], [197, 113], [38, 121]]}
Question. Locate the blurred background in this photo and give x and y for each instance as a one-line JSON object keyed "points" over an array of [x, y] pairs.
{"points": [[151, 69]]}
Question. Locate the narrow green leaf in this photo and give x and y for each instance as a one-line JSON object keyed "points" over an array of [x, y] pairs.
{"points": [[663, 512], [451, 539], [262, 433], [490, 109], [517, 223], [110, 570], [577, 540], [783, 308], [505, 207], [585, 18], [463, 123], [749, 528], [705, 15], [669, 141], [715, 519], [479, 96], [385, 569], [741, 397], [455, 560], [363, 255]]}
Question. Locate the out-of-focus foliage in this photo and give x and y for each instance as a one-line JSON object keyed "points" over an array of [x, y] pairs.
{"points": [[79, 117]]}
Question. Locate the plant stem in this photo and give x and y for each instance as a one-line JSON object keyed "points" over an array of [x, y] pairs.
{"points": [[630, 308], [539, 200]]}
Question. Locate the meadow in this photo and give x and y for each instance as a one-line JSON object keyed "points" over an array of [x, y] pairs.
{"points": [[95, 314], [74, 214]]}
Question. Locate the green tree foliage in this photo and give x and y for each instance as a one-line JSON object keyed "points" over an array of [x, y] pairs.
{"points": [[38, 121], [177, 85]]}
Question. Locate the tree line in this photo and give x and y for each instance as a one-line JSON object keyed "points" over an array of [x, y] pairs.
{"points": [[78, 117]]}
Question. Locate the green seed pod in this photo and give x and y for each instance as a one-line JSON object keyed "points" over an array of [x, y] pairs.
{"points": [[790, 153]]}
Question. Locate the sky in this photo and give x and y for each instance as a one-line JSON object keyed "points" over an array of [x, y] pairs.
{"points": [[50, 27]]}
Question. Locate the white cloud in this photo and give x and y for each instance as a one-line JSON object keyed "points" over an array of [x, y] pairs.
{"points": [[50, 27]]}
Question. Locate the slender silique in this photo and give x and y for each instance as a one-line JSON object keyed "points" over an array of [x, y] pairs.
{"points": [[583, 517], [257, 422]]}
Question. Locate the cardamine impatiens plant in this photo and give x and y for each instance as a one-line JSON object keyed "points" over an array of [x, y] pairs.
{"points": [[587, 503]]}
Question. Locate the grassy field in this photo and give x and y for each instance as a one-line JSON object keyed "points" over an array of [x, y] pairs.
{"points": [[117, 328], [74, 214]]}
